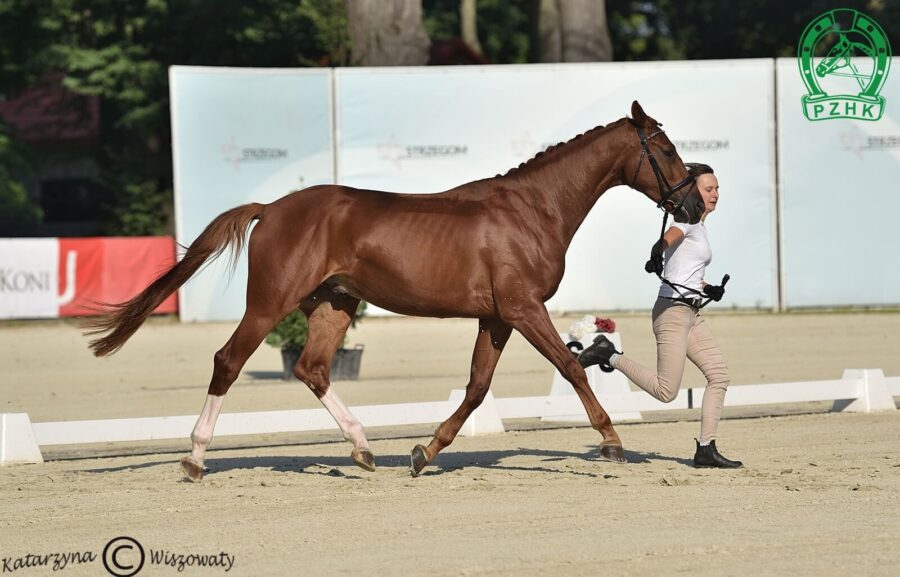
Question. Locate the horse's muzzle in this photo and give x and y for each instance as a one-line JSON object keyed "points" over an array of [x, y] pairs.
{"points": [[690, 210]]}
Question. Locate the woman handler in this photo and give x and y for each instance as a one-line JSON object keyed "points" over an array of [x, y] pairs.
{"points": [[681, 332]]}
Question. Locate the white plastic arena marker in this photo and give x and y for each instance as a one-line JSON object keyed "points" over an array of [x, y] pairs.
{"points": [[17, 442], [873, 392], [484, 420]]}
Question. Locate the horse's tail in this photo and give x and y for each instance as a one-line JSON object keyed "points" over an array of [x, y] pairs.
{"points": [[122, 320]]}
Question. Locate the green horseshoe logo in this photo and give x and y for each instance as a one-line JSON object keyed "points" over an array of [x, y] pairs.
{"points": [[862, 37]]}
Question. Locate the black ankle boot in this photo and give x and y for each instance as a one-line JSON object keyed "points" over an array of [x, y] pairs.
{"points": [[598, 354], [709, 456]]}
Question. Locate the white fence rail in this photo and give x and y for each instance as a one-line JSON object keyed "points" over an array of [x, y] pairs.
{"points": [[860, 390]]}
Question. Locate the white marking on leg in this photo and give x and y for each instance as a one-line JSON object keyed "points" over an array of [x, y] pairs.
{"points": [[202, 434], [352, 429]]}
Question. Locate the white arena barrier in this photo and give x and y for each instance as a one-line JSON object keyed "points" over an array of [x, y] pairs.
{"points": [[858, 390], [601, 383]]}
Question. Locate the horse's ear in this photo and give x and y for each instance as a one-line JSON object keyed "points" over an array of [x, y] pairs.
{"points": [[638, 114]]}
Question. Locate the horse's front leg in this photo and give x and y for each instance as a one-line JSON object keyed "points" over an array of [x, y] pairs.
{"points": [[492, 337], [534, 323]]}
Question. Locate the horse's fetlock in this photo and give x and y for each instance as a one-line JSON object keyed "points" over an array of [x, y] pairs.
{"points": [[443, 437], [354, 432], [201, 439]]}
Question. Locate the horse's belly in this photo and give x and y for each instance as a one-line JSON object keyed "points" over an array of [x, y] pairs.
{"points": [[423, 298]]}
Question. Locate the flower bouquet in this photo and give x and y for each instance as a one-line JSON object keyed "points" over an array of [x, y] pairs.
{"points": [[590, 324]]}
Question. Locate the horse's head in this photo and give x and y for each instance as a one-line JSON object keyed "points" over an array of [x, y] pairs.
{"points": [[835, 57], [663, 166]]}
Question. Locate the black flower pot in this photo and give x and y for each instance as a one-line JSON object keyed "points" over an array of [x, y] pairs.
{"points": [[344, 366]]}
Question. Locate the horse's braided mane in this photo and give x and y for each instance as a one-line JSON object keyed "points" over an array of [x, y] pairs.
{"points": [[556, 147]]}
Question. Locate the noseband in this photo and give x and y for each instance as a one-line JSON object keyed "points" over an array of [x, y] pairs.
{"points": [[665, 191]]}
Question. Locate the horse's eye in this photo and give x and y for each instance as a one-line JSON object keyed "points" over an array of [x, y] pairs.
{"points": [[670, 152]]}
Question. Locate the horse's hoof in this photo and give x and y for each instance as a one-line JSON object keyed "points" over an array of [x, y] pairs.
{"points": [[417, 460], [192, 468], [612, 453], [364, 458]]}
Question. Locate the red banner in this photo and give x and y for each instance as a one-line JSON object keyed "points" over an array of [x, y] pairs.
{"points": [[111, 270]]}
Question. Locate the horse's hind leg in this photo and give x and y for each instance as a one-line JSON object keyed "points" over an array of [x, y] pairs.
{"points": [[228, 361], [492, 337], [330, 315]]}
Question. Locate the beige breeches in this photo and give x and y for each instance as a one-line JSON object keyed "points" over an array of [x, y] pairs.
{"points": [[682, 333]]}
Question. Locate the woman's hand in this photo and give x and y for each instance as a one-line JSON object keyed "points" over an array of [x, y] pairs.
{"points": [[655, 264], [715, 292]]}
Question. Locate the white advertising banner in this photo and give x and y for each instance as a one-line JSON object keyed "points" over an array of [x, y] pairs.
{"points": [[839, 191], [423, 130], [29, 278], [240, 136]]}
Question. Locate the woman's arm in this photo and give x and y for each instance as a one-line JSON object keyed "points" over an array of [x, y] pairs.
{"points": [[655, 264], [672, 236]]}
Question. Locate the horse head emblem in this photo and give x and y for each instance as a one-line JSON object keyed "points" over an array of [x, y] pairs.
{"points": [[857, 41]]}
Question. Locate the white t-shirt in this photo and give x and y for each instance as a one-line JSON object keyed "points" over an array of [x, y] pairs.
{"points": [[686, 260]]}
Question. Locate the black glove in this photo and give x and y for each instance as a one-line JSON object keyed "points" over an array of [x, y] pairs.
{"points": [[655, 264], [715, 292]]}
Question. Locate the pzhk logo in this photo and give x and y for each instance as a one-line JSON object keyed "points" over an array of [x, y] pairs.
{"points": [[859, 51]]}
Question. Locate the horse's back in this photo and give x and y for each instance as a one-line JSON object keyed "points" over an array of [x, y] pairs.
{"points": [[410, 253]]}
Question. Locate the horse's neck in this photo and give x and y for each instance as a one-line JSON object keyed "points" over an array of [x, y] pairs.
{"points": [[570, 183]]}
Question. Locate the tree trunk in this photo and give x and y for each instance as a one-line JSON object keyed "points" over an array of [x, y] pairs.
{"points": [[468, 19], [387, 33], [549, 31], [574, 31]]}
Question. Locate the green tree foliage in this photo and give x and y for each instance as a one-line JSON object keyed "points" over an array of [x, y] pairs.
{"points": [[661, 29], [504, 28], [704, 29], [120, 51], [18, 214]]}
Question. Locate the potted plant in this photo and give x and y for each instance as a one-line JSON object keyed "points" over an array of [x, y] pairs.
{"points": [[290, 336]]}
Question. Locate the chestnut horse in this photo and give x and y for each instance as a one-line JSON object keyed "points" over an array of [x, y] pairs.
{"points": [[492, 249]]}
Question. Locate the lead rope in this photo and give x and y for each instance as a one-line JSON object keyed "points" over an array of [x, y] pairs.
{"points": [[667, 192], [675, 286]]}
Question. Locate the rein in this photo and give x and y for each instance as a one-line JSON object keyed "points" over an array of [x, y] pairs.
{"points": [[696, 302]]}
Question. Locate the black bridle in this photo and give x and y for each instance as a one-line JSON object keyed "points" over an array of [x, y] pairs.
{"points": [[666, 192]]}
